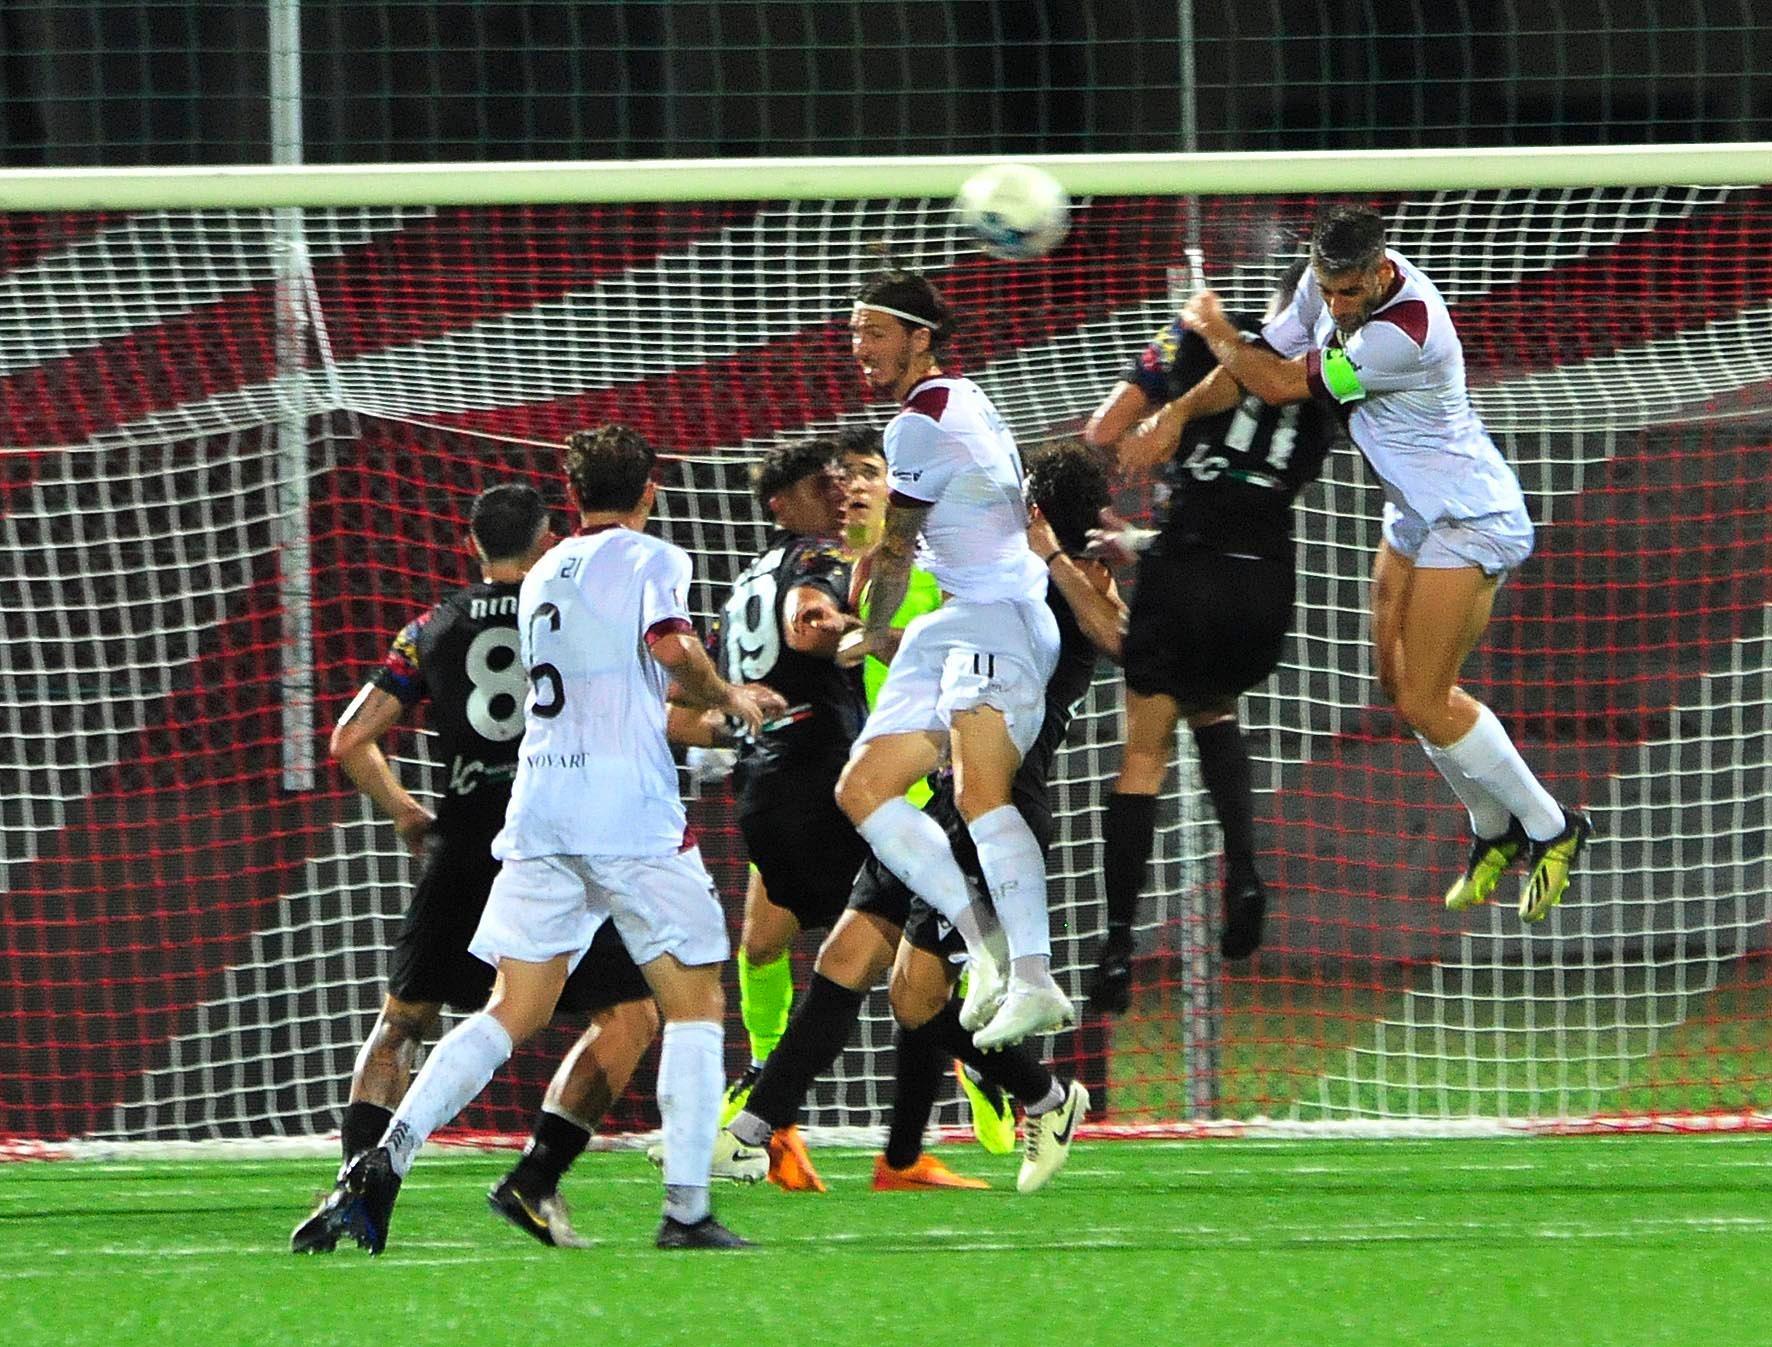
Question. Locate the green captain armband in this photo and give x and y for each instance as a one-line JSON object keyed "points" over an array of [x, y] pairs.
{"points": [[1341, 376]]}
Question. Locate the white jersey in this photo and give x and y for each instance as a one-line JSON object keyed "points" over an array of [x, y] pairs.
{"points": [[948, 448], [594, 772], [1402, 377]]}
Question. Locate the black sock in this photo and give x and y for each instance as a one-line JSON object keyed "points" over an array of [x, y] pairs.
{"points": [[554, 1144], [1015, 1068], [1129, 830], [921, 1063], [815, 1037], [360, 1127], [1224, 767]]}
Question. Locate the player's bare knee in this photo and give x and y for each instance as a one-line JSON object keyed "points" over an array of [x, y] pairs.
{"points": [[856, 952], [858, 794], [914, 1001], [687, 993], [632, 1019], [975, 799]]}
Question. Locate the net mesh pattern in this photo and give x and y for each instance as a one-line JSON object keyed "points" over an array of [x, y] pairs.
{"points": [[238, 459]]}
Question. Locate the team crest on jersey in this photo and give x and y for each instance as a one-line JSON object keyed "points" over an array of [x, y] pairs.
{"points": [[1160, 354]]}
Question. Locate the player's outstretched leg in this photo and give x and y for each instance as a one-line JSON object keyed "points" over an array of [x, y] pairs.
{"points": [[1550, 863], [383, 1069]]}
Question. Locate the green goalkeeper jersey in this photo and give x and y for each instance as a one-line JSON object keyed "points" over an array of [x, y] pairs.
{"points": [[923, 596]]}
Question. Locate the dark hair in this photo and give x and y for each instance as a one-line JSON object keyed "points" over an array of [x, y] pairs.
{"points": [[787, 464], [1347, 238], [1070, 485], [910, 293], [861, 440], [507, 519], [608, 467], [1286, 287]]}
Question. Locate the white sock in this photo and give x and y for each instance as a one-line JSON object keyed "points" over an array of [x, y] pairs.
{"points": [[1489, 816], [1053, 1097], [457, 1070], [1015, 872], [691, 1077], [912, 845], [1488, 757]]}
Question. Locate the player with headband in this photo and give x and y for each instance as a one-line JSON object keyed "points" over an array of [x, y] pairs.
{"points": [[968, 679], [1369, 334]]}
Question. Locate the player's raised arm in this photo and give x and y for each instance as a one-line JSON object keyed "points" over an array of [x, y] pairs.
{"points": [[1268, 375], [1154, 440], [1085, 585], [1159, 392], [356, 747]]}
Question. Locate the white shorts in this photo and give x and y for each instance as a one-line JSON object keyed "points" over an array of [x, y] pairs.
{"points": [[965, 655], [553, 905], [1497, 543]]}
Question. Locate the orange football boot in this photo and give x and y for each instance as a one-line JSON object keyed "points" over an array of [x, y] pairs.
{"points": [[926, 1172], [790, 1167]]}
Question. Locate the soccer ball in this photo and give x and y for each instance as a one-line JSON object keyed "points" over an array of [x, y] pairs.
{"points": [[1014, 211]]}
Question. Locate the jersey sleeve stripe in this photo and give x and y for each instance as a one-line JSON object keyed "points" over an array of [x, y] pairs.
{"points": [[669, 626], [1410, 316], [1313, 376], [900, 498]]}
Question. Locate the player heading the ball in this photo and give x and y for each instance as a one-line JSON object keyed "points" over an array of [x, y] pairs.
{"points": [[1368, 333], [968, 679]]}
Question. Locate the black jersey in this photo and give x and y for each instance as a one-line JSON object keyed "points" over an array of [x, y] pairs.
{"points": [[461, 657], [1232, 480], [1065, 691], [826, 704]]}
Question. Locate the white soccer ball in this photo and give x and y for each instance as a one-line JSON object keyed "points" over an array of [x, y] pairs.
{"points": [[1014, 211]]}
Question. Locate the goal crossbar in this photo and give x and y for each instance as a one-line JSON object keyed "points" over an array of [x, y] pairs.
{"points": [[568, 182]]}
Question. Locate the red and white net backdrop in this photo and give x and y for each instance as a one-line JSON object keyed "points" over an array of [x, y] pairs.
{"points": [[193, 949]]}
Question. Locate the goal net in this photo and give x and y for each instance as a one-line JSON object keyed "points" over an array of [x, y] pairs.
{"points": [[238, 450]]}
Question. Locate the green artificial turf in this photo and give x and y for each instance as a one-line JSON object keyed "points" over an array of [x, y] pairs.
{"points": [[1566, 1241]]}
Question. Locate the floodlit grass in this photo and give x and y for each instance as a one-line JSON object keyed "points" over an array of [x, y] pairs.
{"points": [[1572, 1241]]}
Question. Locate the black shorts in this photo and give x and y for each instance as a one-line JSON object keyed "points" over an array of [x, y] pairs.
{"points": [[430, 962], [880, 893], [1205, 626], [807, 853]]}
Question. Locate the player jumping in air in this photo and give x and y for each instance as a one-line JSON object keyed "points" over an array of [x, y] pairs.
{"points": [[1066, 483], [970, 677], [1210, 611], [595, 833], [1369, 334]]}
